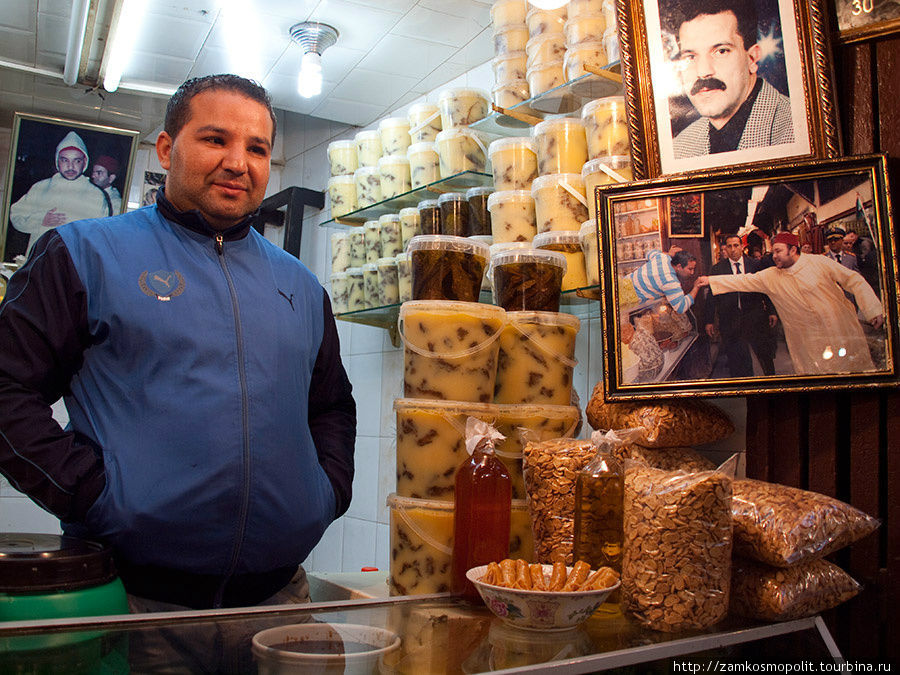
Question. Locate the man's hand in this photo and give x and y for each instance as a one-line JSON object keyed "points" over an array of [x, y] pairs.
{"points": [[877, 322], [54, 218], [710, 330], [674, 249], [773, 320], [702, 282]]}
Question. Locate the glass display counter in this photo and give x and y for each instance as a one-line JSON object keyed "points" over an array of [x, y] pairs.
{"points": [[438, 634]]}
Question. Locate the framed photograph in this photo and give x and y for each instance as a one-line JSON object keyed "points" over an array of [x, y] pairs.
{"points": [[859, 20], [793, 285], [685, 216], [725, 83], [60, 171], [152, 182]]}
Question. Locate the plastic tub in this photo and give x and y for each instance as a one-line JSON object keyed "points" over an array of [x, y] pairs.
{"points": [[429, 217], [579, 8], [342, 158], [391, 238], [371, 290], [394, 132], [479, 217], [410, 225], [462, 106], [559, 202], [488, 241], [527, 279], [546, 77], [508, 13], [569, 244], [394, 172], [606, 127], [422, 543], [368, 186], [424, 122], [340, 292], [604, 171], [450, 349], [585, 28], [544, 50], [537, 357], [508, 40], [424, 165], [372, 236], [541, 21], [388, 282], [509, 67], [368, 147], [454, 214], [357, 238], [511, 94], [460, 150], [340, 251], [404, 277], [446, 267], [512, 216], [560, 145], [590, 244], [611, 41], [514, 162], [342, 195], [356, 293], [591, 54]]}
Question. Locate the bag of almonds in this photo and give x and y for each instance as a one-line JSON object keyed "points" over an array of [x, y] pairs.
{"points": [[676, 568]]}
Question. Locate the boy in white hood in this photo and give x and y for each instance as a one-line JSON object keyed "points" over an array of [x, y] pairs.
{"points": [[66, 196]]}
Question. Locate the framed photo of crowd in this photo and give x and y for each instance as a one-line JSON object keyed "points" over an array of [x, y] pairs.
{"points": [[792, 284], [726, 83], [60, 171]]}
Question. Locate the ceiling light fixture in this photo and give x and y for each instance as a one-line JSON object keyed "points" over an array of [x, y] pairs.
{"points": [[548, 4], [314, 38], [75, 43], [127, 21]]}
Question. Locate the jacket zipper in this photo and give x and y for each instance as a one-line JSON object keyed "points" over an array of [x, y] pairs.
{"points": [[245, 424]]}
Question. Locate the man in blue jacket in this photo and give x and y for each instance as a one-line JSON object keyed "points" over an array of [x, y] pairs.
{"points": [[212, 424]]}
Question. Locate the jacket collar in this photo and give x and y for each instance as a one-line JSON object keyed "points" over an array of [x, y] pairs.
{"points": [[194, 220]]}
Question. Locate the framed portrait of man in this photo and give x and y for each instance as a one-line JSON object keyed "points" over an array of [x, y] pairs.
{"points": [[726, 82], [60, 171]]}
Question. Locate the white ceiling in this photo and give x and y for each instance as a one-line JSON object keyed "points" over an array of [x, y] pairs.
{"points": [[389, 53]]}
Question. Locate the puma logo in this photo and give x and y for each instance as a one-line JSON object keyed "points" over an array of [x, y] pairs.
{"points": [[165, 281], [289, 299]]}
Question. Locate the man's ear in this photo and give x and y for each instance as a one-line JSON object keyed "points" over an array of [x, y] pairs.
{"points": [[754, 53], [164, 149], [112, 178]]}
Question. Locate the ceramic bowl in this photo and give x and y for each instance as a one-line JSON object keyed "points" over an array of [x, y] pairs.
{"points": [[539, 610]]}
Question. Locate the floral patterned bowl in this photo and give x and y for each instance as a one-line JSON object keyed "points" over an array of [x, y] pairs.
{"points": [[539, 610]]}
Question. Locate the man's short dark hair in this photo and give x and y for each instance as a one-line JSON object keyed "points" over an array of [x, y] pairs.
{"points": [[731, 236], [682, 258], [673, 13], [178, 109]]}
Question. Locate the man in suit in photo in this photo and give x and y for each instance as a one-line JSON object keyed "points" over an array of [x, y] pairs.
{"points": [[746, 320], [834, 240]]}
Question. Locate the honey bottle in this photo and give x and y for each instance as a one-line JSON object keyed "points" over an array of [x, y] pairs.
{"points": [[483, 501]]}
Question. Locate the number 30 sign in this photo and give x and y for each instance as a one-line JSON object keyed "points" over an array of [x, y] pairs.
{"points": [[864, 19]]}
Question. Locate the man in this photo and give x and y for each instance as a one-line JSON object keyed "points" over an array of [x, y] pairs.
{"points": [[103, 175], [866, 257], [820, 326], [66, 196], [661, 276], [745, 319], [718, 64], [834, 240], [212, 423]]}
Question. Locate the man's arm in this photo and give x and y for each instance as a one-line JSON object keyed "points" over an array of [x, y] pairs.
{"points": [[332, 413], [729, 283], [43, 334], [854, 282]]}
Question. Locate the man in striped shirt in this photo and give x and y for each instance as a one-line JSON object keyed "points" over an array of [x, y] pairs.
{"points": [[661, 276]]}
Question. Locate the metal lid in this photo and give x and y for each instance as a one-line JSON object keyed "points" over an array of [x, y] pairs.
{"points": [[51, 562]]}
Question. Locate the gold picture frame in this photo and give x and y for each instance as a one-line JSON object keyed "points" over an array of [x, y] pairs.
{"points": [[792, 51], [685, 346], [34, 166]]}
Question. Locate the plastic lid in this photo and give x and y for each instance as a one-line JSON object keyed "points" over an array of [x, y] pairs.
{"points": [[550, 36], [528, 255], [470, 309], [538, 412], [509, 196], [544, 318], [479, 191], [337, 180], [350, 145], [367, 134], [484, 238], [384, 160], [424, 146], [455, 131], [510, 56], [52, 562], [542, 239], [390, 122], [613, 161], [408, 212], [366, 169], [588, 226], [389, 218], [451, 197], [512, 142], [454, 408], [369, 267], [508, 245], [591, 106], [459, 92], [447, 242], [402, 258], [371, 224], [550, 65], [422, 108], [588, 45], [552, 179], [556, 123], [396, 501], [427, 204], [559, 12], [386, 262]]}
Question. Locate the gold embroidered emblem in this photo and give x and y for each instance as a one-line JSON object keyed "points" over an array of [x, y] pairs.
{"points": [[162, 285]]}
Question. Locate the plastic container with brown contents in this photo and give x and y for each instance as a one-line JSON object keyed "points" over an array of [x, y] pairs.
{"points": [[424, 164], [424, 122], [394, 132], [340, 292], [560, 202], [368, 147], [509, 67], [544, 49], [604, 171], [391, 241], [356, 293], [568, 243], [342, 157], [371, 290], [514, 162], [404, 277], [454, 214], [447, 267], [527, 279], [368, 186], [541, 21], [511, 94], [460, 149], [388, 282], [560, 145], [582, 56], [546, 77], [393, 170], [410, 225], [585, 28], [512, 216], [462, 106], [342, 195], [511, 39], [590, 244], [508, 14], [429, 217], [372, 236], [479, 216], [357, 238], [340, 251], [606, 127]]}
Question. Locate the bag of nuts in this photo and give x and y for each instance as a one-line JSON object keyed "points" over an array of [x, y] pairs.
{"points": [[784, 594], [670, 459], [783, 526], [676, 569]]}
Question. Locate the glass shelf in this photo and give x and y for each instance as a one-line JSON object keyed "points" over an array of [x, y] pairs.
{"points": [[458, 182], [565, 98]]}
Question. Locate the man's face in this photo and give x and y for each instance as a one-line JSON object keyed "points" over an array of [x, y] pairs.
{"points": [[850, 241], [218, 163], [70, 163], [717, 71], [783, 255], [733, 248], [101, 177], [686, 272], [806, 248], [836, 244]]}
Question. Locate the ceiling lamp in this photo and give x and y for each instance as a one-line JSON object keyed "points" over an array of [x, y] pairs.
{"points": [[548, 4], [315, 38]]}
